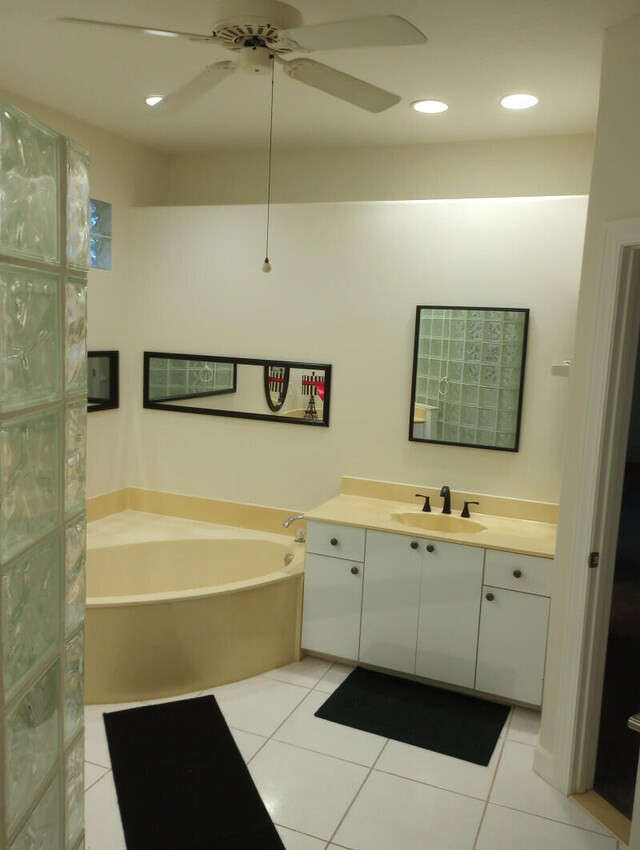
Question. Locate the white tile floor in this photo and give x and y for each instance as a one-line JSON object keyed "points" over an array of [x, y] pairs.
{"points": [[328, 787]]}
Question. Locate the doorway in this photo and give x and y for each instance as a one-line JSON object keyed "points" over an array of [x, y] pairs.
{"points": [[618, 746]]}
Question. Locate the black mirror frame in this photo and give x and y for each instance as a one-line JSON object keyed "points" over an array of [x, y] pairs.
{"points": [[416, 343], [113, 401], [238, 361]]}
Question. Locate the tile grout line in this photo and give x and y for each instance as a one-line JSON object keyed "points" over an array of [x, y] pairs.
{"points": [[356, 795], [486, 802]]}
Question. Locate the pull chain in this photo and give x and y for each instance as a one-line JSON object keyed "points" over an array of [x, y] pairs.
{"points": [[266, 266]]}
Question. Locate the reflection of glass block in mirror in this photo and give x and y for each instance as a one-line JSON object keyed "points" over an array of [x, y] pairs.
{"points": [[29, 341], [28, 187], [29, 480], [78, 217], [103, 380], [480, 363], [32, 743], [43, 826], [30, 612]]}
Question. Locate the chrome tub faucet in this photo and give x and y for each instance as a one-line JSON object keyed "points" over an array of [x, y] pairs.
{"points": [[300, 538]]}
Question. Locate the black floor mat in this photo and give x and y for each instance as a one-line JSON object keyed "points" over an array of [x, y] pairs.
{"points": [[181, 781], [457, 725]]}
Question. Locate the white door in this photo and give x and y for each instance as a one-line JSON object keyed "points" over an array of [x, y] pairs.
{"points": [[390, 599], [332, 601], [449, 612]]}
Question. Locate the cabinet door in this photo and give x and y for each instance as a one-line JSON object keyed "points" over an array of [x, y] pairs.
{"points": [[450, 597], [332, 603], [390, 601], [512, 644]]}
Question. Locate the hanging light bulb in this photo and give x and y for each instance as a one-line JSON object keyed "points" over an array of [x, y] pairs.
{"points": [[266, 266]]}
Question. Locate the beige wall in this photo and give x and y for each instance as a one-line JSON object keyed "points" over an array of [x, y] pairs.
{"points": [[615, 195], [345, 283], [126, 175], [489, 169]]}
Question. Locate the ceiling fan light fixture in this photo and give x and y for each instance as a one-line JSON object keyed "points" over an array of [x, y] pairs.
{"points": [[519, 101], [162, 33], [154, 99], [429, 107]]}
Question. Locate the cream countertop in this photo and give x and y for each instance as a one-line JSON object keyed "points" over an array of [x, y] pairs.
{"points": [[505, 533]]}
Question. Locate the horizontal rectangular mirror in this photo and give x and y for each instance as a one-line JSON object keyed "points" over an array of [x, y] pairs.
{"points": [[468, 376], [277, 390], [103, 380]]}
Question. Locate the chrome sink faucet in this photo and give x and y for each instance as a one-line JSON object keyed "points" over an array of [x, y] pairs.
{"points": [[446, 494], [300, 538]]}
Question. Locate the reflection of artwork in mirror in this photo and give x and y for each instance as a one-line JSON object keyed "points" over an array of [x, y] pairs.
{"points": [[239, 386], [102, 380], [276, 385], [468, 376]]}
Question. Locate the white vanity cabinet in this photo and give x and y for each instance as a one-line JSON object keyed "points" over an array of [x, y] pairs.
{"points": [[449, 612], [333, 589], [513, 626]]}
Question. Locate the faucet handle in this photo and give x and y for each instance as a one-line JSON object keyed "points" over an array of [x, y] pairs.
{"points": [[427, 503], [465, 511]]}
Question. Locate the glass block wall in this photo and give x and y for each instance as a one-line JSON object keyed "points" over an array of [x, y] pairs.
{"points": [[44, 256], [469, 365]]}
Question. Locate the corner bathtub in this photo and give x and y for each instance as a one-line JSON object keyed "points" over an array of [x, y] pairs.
{"points": [[176, 606]]}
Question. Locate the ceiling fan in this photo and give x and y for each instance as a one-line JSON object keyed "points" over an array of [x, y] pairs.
{"points": [[260, 32]]}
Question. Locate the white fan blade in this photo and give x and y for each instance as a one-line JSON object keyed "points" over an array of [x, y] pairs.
{"points": [[192, 36], [379, 31], [340, 85], [197, 87]]}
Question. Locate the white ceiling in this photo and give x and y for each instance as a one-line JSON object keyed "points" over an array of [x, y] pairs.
{"points": [[477, 51]]}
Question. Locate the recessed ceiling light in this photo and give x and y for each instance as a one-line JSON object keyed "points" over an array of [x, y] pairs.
{"points": [[519, 101], [154, 99], [429, 106]]}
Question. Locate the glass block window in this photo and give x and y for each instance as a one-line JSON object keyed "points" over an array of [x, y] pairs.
{"points": [[100, 212]]}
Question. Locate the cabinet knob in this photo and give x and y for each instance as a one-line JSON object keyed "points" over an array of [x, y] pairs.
{"points": [[414, 544], [355, 571], [431, 547], [517, 573], [334, 541], [490, 597]]}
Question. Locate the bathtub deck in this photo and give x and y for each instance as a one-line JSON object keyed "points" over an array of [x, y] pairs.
{"points": [[138, 527]]}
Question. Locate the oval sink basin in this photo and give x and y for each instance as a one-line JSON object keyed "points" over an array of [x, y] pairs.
{"points": [[438, 522]]}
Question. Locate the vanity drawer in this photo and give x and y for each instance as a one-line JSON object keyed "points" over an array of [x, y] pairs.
{"points": [[527, 573], [338, 541]]}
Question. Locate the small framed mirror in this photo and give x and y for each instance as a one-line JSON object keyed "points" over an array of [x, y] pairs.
{"points": [[276, 390], [103, 380], [468, 376]]}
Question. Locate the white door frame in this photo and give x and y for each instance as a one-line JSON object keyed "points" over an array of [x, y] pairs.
{"points": [[604, 438]]}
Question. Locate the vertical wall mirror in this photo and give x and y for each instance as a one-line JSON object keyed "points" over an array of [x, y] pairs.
{"points": [[103, 382], [468, 376], [279, 390]]}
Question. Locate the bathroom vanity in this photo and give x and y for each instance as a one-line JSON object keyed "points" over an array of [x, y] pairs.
{"points": [[467, 608]]}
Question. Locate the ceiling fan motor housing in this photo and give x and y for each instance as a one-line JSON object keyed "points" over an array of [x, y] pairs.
{"points": [[240, 21]]}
